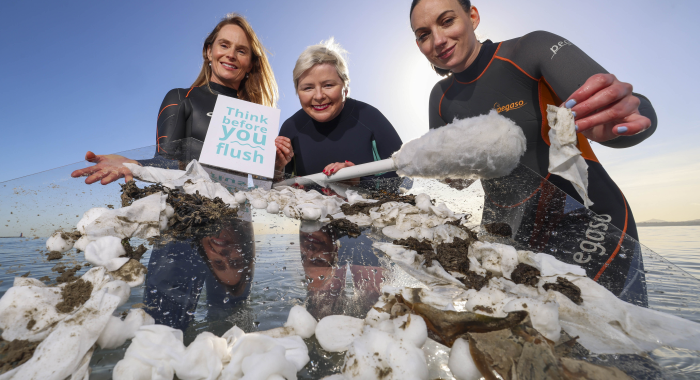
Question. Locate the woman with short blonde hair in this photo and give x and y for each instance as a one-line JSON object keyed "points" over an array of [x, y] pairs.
{"points": [[331, 131], [325, 52]]}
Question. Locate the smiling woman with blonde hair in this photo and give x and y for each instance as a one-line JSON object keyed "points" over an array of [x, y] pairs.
{"points": [[235, 64], [331, 131]]}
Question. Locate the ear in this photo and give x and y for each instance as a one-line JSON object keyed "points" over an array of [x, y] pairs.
{"points": [[474, 16], [209, 55]]}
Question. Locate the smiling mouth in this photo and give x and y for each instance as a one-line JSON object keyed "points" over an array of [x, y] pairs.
{"points": [[321, 107], [447, 53], [228, 66]]}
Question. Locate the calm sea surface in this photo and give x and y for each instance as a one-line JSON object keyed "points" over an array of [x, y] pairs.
{"points": [[679, 245]]}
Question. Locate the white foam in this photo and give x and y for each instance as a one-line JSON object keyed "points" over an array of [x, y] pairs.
{"points": [[482, 147]]}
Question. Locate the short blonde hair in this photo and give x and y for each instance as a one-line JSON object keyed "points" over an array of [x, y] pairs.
{"points": [[325, 52]]}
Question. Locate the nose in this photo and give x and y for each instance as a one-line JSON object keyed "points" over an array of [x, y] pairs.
{"points": [[318, 94], [439, 39]]}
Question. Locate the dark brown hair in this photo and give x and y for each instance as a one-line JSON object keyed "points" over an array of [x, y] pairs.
{"points": [[466, 5]]}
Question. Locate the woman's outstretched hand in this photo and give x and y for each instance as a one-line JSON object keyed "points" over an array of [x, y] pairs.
{"points": [[285, 152], [108, 168], [334, 167], [605, 108]]}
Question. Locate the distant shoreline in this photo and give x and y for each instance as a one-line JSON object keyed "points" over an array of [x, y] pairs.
{"points": [[669, 224]]}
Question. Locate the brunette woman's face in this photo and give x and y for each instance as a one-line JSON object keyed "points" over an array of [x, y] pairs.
{"points": [[445, 33], [231, 57], [225, 252], [321, 92], [317, 249]]}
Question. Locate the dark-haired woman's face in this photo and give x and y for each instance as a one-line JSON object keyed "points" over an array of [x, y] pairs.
{"points": [[226, 254], [231, 57], [445, 33]]}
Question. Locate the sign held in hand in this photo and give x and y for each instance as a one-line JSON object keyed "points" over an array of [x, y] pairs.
{"points": [[241, 137]]}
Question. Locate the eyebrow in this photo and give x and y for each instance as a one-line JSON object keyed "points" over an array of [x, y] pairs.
{"points": [[437, 18]]}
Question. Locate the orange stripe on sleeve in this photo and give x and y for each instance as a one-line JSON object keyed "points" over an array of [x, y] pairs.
{"points": [[188, 92], [514, 64], [161, 111], [619, 244]]}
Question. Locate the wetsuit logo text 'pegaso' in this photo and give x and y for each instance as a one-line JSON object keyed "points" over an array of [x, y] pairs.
{"points": [[561, 44], [508, 107]]}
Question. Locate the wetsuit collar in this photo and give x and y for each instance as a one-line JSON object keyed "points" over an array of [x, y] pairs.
{"points": [[331, 124], [488, 49], [223, 90]]}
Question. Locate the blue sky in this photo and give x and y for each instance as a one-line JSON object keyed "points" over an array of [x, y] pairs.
{"points": [[88, 75]]}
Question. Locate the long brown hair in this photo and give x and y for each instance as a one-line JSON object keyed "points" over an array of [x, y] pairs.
{"points": [[260, 86]]}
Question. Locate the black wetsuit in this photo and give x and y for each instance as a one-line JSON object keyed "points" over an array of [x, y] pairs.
{"points": [[185, 112], [360, 134], [519, 78]]}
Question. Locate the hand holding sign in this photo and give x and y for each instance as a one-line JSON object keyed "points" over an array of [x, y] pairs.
{"points": [[241, 137]]}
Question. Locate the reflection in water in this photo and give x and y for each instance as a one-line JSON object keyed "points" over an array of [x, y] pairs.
{"points": [[178, 270], [326, 256], [546, 219]]}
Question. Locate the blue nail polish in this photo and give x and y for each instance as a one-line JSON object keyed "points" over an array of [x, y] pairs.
{"points": [[621, 130], [576, 128], [573, 113], [570, 104]]}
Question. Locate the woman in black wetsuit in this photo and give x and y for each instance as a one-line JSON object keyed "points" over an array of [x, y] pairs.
{"points": [[234, 64], [519, 78], [331, 131]]}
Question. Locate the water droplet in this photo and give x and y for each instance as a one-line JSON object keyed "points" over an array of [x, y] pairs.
{"points": [[226, 300], [320, 277], [266, 288], [166, 313], [623, 255], [284, 268], [154, 291], [194, 278], [256, 323], [190, 312]]}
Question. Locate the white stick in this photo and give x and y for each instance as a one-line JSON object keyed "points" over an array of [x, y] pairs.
{"points": [[362, 170]]}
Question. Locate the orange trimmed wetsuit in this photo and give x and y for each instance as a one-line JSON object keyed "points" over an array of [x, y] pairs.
{"points": [[519, 78], [184, 113]]}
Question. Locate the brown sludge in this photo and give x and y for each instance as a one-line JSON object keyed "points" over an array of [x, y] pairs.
{"points": [[54, 255], [446, 326], [523, 353], [500, 229], [381, 197], [420, 246], [130, 271], [15, 353], [526, 275], [133, 253], [192, 211], [74, 295], [566, 288], [344, 225], [67, 275]]}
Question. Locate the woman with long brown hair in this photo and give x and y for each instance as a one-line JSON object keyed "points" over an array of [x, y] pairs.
{"points": [[234, 64]]}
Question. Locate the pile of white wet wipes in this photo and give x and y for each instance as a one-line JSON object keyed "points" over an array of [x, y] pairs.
{"points": [[158, 352]]}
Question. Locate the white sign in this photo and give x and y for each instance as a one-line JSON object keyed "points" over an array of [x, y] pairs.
{"points": [[241, 137]]}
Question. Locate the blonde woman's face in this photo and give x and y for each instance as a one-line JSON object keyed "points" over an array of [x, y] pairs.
{"points": [[321, 92], [230, 56]]}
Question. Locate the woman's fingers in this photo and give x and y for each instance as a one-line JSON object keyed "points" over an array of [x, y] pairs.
{"points": [[605, 98], [592, 86], [613, 113], [110, 177], [98, 175]]}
